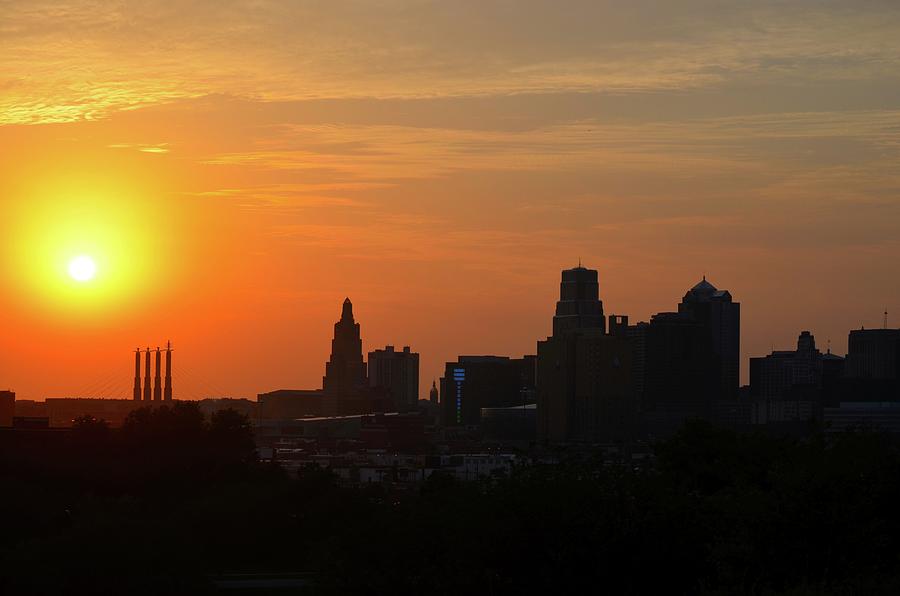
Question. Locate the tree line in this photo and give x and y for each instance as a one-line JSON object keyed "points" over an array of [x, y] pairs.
{"points": [[171, 499]]}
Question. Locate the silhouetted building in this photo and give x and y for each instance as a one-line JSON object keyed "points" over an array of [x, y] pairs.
{"points": [[29, 408], [431, 410], [290, 403], [687, 364], [585, 391], [399, 432], [872, 367], [788, 385], [512, 424], [832, 378], [721, 317], [680, 373], [434, 394], [637, 333], [7, 407], [870, 416], [475, 382], [579, 305], [398, 374], [873, 354], [344, 382], [786, 372]]}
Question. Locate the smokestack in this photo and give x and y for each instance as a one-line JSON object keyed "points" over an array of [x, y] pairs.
{"points": [[137, 375], [167, 392], [157, 390], [147, 376]]}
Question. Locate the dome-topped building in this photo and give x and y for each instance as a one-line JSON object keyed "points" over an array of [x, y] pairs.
{"points": [[703, 290], [718, 312]]}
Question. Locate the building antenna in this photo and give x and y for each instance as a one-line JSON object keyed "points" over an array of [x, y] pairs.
{"points": [[885, 318], [579, 262]]}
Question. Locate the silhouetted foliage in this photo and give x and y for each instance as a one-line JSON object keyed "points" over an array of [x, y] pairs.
{"points": [[169, 499]]}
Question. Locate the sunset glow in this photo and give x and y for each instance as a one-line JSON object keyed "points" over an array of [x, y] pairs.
{"points": [[235, 172], [82, 268]]}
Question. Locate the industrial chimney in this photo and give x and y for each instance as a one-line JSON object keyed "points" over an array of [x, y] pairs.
{"points": [[168, 389], [147, 376], [157, 381], [137, 375]]}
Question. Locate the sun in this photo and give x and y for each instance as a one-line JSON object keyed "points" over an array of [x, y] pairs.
{"points": [[82, 268]]}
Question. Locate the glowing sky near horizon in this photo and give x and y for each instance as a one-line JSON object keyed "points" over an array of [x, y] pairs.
{"points": [[238, 167]]}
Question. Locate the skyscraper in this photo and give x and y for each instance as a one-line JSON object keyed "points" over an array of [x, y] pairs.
{"points": [[872, 371], [345, 371], [721, 318], [680, 373], [397, 373], [873, 354], [584, 376], [579, 305]]}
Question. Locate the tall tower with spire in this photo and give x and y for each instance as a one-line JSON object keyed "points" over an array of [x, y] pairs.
{"points": [[345, 371]]}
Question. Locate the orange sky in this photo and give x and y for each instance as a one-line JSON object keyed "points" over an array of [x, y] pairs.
{"points": [[238, 168]]}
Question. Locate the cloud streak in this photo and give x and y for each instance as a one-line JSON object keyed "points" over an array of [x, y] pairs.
{"points": [[82, 60]]}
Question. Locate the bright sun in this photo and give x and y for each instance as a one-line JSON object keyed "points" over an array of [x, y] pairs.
{"points": [[82, 268]]}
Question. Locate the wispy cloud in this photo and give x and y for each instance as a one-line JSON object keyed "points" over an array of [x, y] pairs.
{"points": [[144, 148], [83, 59]]}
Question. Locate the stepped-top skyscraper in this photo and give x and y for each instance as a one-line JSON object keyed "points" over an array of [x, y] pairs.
{"points": [[579, 306], [584, 386], [721, 316], [345, 371]]}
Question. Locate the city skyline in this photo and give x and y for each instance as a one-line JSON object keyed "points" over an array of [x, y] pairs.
{"points": [[234, 171], [142, 388]]}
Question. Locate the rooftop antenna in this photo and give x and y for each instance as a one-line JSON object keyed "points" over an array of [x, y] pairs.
{"points": [[885, 318], [579, 262], [829, 346]]}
